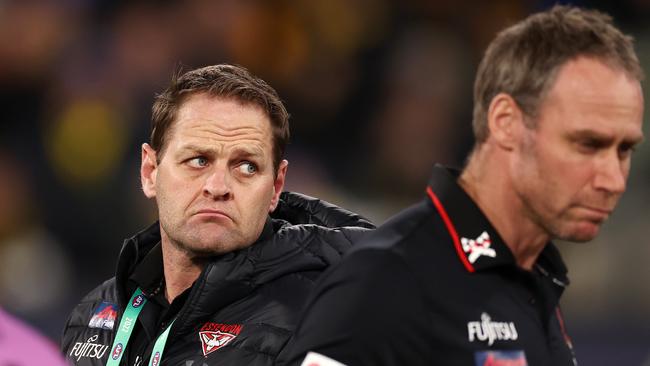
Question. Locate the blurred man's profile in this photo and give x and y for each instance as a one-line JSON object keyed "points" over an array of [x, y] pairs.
{"points": [[470, 276]]}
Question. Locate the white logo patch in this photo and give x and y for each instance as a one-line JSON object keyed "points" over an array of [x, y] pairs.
{"points": [[212, 341], [316, 359], [88, 349], [487, 330], [478, 247]]}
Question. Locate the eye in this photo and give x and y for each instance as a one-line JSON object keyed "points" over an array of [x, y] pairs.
{"points": [[198, 162], [247, 168], [590, 145], [626, 150]]}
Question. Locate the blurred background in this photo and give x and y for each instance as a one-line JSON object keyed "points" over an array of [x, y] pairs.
{"points": [[378, 90]]}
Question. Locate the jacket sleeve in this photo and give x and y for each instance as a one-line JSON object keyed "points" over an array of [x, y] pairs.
{"points": [[363, 313], [77, 325]]}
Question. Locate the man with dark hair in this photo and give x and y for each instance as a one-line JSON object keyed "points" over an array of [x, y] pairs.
{"points": [[216, 281], [469, 276]]}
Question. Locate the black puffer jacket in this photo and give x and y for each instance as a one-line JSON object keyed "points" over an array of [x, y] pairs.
{"points": [[243, 307]]}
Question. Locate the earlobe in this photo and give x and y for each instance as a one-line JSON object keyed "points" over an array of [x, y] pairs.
{"points": [[504, 119], [148, 171], [278, 184]]}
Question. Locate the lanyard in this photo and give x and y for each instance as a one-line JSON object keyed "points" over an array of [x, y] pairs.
{"points": [[131, 313]]}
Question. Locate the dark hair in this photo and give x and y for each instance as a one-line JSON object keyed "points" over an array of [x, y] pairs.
{"points": [[523, 60], [225, 81]]}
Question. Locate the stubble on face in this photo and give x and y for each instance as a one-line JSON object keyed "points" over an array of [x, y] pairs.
{"points": [[571, 167], [536, 192], [208, 202]]}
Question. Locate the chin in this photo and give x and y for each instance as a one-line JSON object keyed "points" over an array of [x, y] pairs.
{"points": [[584, 232], [209, 243], [212, 247]]}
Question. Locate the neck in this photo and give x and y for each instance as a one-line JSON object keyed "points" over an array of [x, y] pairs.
{"points": [[488, 181], [181, 269]]}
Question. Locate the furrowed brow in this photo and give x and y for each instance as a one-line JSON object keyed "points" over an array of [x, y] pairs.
{"points": [[191, 148], [590, 135], [635, 141], [252, 151]]}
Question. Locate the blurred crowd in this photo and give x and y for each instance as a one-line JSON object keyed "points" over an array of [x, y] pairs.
{"points": [[378, 91]]}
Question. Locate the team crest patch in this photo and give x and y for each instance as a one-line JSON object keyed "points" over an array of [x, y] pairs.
{"points": [[474, 248], [500, 358], [215, 336], [104, 316]]}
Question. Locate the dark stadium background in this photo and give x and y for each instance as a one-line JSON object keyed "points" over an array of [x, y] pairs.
{"points": [[378, 91]]}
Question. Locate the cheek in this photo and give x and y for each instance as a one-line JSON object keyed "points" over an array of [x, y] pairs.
{"points": [[173, 191], [258, 199], [538, 181], [573, 178], [562, 172]]}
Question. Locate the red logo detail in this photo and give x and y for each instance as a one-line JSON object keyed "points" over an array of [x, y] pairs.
{"points": [[137, 301], [214, 336], [493, 361], [106, 313], [500, 358], [156, 359], [104, 316], [117, 351]]}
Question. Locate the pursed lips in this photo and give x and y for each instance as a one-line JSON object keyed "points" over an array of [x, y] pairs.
{"points": [[212, 213], [600, 214]]}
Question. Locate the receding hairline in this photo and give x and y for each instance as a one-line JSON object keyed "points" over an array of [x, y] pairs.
{"points": [[515, 64], [189, 94]]}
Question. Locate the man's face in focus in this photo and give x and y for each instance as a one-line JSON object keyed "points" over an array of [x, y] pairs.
{"points": [[573, 166], [215, 182]]}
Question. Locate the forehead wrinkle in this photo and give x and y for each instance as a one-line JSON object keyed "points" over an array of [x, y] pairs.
{"points": [[217, 126], [597, 108], [601, 104], [219, 148], [211, 131], [216, 133], [610, 101], [592, 82], [246, 140]]}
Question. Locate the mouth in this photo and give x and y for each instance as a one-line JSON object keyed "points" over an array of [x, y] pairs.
{"points": [[597, 214], [212, 214]]}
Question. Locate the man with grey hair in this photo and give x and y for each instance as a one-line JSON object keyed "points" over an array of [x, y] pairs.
{"points": [[469, 276]]}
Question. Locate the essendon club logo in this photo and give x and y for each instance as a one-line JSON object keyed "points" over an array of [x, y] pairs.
{"points": [[155, 360], [214, 336], [478, 247], [117, 351], [137, 301]]}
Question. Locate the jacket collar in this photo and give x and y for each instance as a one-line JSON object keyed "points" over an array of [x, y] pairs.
{"points": [[227, 278], [477, 243], [143, 249]]}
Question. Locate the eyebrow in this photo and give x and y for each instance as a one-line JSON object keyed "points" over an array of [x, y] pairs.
{"points": [[238, 150], [591, 134], [198, 149], [248, 151]]}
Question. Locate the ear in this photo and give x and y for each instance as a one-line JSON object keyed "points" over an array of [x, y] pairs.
{"points": [[505, 120], [148, 171], [278, 184]]}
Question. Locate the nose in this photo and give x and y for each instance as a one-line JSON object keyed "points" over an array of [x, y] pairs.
{"points": [[611, 175], [217, 185]]}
